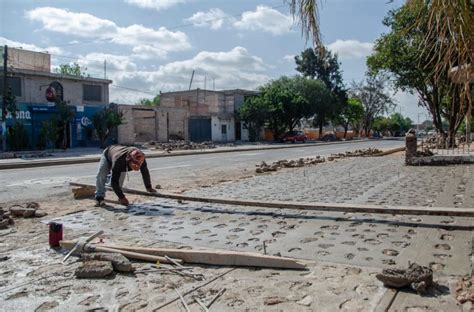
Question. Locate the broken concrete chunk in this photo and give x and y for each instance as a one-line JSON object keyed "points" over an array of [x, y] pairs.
{"points": [[306, 301], [29, 212], [40, 213], [94, 269], [4, 224], [274, 300], [416, 276], [17, 211], [119, 262]]}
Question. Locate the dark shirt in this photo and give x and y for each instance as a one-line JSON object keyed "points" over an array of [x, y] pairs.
{"points": [[116, 155]]}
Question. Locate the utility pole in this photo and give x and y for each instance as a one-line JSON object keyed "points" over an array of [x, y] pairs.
{"points": [[4, 99]]}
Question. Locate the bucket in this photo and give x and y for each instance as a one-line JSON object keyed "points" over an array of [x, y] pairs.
{"points": [[55, 234]]}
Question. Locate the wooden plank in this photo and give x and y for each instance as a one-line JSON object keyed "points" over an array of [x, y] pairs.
{"points": [[218, 257], [317, 206]]}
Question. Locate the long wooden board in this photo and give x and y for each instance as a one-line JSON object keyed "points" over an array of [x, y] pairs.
{"points": [[354, 208], [217, 257]]}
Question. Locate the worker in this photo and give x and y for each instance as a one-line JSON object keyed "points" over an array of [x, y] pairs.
{"points": [[118, 160]]}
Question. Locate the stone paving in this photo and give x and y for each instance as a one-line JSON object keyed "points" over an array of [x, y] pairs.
{"points": [[348, 248]]}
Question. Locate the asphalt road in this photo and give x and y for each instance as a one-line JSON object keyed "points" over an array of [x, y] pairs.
{"points": [[171, 172]]}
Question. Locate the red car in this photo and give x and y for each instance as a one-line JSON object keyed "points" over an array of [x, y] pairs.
{"points": [[294, 136]]}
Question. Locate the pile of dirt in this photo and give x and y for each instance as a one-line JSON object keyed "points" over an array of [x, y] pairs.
{"points": [[5, 219], [27, 210]]}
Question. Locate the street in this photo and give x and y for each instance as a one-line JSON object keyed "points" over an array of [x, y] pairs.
{"points": [[172, 173]]}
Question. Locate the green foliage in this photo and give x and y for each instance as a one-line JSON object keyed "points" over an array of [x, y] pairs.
{"points": [[105, 121], [17, 137], [411, 60], [352, 115], [325, 68], [49, 134], [73, 69], [10, 100], [65, 114], [150, 102], [374, 98], [393, 124], [254, 113]]}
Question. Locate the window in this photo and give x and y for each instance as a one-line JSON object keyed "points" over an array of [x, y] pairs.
{"points": [[224, 129], [14, 83], [92, 93]]}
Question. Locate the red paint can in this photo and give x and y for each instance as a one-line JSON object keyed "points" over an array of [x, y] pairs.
{"points": [[55, 234]]}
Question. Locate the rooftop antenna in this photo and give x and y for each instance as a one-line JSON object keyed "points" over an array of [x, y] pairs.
{"points": [[191, 82]]}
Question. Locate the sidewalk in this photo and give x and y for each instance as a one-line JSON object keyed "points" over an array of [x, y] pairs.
{"points": [[92, 154]]}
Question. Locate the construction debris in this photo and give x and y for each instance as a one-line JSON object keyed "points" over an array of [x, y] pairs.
{"points": [[182, 145], [94, 269], [216, 257], [5, 219], [28, 210], [418, 277], [465, 290], [83, 192], [305, 162], [119, 262]]}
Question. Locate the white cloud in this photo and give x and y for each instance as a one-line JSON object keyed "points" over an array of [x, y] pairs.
{"points": [[28, 46], [351, 49], [88, 26], [289, 58], [236, 68], [155, 4], [265, 19], [214, 18]]}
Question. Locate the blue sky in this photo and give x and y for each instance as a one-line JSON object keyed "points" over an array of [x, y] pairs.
{"points": [[154, 45]]}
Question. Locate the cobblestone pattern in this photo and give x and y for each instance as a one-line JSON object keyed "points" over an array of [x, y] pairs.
{"points": [[360, 180]]}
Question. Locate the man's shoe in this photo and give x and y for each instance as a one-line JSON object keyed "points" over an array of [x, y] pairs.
{"points": [[99, 202]]}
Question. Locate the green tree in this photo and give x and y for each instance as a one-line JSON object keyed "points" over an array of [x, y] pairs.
{"points": [[17, 137], [351, 115], [254, 113], [65, 114], [324, 67], [49, 134], [72, 69], [375, 99], [105, 121], [150, 102], [400, 53], [319, 102]]}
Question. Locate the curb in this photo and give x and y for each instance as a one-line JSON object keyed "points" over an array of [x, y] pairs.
{"points": [[73, 161]]}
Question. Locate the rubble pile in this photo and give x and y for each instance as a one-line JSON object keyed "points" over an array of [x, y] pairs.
{"points": [[101, 264], [465, 290], [5, 219], [28, 210], [302, 162], [181, 145], [417, 277], [424, 152]]}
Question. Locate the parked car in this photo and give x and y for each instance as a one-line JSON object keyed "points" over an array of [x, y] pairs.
{"points": [[294, 136], [329, 137]]}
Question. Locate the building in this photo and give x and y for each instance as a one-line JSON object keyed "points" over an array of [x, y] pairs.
{"points": [[202, 115], [36, 88]]}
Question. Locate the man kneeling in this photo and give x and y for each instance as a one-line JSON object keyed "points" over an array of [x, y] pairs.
{"points": [[118, 160]]}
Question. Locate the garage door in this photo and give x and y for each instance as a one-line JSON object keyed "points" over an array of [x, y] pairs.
{"points": [[200, 129]]}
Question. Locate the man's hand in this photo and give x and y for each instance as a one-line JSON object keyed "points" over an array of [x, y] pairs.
{"points": [[124, 201], [151, 190]]}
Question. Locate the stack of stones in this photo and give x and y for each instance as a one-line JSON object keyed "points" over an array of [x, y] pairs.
{"points": [[29, 210], [264, 167], [5, 219], [411, 145], [99, 265]]}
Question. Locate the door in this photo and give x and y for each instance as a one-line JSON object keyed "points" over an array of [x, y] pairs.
{"points": [[200, 129]]}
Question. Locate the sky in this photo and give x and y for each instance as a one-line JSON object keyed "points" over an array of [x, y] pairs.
{"points": [[150, 46]]}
